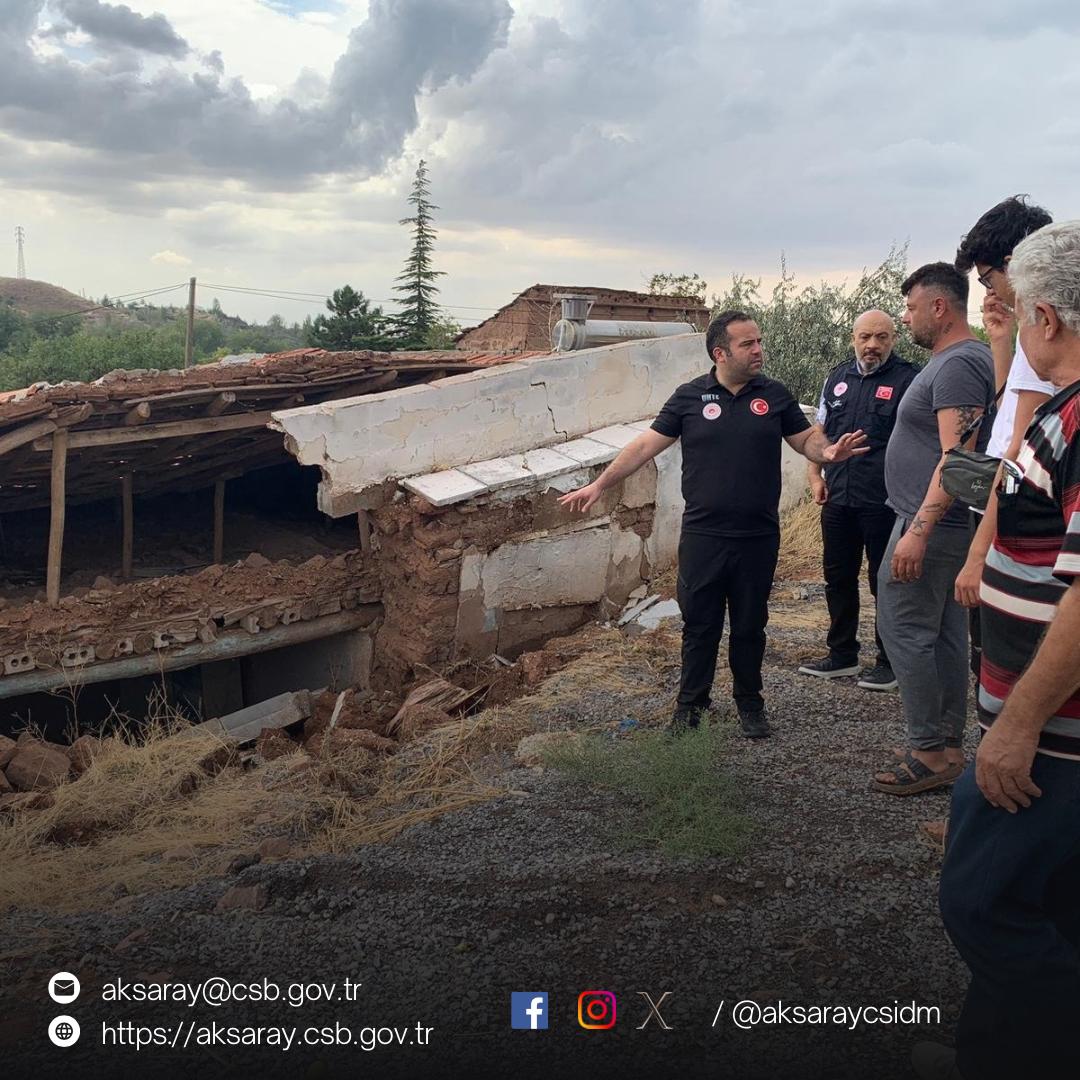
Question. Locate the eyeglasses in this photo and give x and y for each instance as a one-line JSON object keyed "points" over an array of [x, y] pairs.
{"points": [[984, 279]]}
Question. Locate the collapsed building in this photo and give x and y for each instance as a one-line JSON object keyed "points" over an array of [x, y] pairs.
{"points": [[318, 519]]}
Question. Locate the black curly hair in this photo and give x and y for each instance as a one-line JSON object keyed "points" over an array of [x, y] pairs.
{"points": [[998, 231]]}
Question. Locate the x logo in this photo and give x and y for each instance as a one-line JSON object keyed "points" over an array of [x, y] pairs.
{"points": [[654, 1010]]}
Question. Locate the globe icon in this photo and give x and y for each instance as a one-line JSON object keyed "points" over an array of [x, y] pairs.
{"points": [[64, 1031]]}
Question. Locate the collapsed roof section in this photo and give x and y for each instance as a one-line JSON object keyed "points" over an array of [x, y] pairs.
{"points": [[184, 429]]}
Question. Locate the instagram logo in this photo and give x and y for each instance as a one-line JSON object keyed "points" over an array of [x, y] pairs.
{"points": [[596, 1009]]}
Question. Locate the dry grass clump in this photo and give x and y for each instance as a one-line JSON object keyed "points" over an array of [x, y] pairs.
{"points": [[176, 806], [164, 806], [800, 543]]}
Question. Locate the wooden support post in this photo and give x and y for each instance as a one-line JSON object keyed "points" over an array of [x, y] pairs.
{"points": [[189, 340], [219, 521], [221, 402], [58, 495], [139, 414], [363, 520], [128, 511]]}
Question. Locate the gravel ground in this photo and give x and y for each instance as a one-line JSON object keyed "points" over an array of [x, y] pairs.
{"points": [[833, 904]]}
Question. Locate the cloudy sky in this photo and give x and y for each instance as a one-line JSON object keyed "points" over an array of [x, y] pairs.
{"points": [[269, 144]]}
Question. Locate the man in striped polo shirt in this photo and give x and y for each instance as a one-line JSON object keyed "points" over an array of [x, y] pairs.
{"points": [[1010, 886]]}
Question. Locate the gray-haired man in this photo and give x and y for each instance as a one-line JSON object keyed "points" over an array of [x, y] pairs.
{"points": [[1010, 886]]}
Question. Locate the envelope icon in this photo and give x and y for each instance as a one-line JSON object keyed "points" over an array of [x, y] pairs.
{"points": [[64, 988]]}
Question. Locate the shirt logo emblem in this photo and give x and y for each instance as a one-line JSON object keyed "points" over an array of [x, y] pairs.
{"points": [[711, 411], [759, 406], [840, 388], [884, 392]]}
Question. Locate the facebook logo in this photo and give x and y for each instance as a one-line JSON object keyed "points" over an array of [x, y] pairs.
{"points": [[529, 1010]]}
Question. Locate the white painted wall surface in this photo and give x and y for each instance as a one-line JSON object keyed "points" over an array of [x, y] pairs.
{"points": [[510, 408]]}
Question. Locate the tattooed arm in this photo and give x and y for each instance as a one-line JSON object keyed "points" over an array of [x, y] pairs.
{"points": [[910, 549]]}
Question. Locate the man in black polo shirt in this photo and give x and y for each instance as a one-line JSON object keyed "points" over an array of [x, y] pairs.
{"points": [[862, 392], [731, 422]]}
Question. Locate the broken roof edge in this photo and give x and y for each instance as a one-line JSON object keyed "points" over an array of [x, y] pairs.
{"points": [[295, 367], [599, 295], [366, 445]]}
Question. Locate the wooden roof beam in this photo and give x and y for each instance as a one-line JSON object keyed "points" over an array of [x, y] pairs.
{"points": [[148, 432]]}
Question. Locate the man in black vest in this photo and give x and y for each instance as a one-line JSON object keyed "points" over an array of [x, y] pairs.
{"points": [[863, 392], [732, 422]]}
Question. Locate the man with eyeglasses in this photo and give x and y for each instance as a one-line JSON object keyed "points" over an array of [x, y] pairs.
{"points": [[1010, 884], [988, 248]]}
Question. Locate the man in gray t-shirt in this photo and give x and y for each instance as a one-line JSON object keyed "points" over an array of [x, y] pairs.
{"points": [[954, 378], [922, 626]]}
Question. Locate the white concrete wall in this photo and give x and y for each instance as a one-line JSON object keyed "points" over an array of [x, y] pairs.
{"points": [[545, 578], [510, 408]]}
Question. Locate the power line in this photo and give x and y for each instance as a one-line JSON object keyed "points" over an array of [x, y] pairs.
{"points": [[296, 294], [130, 297]]}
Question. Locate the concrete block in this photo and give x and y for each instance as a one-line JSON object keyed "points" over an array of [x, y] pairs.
{"points": [[587, 451], [548, 462], [617, 435], [550, 571], [444, 488], [498, 473], [639, 488], [641, 425], [244, 725]]}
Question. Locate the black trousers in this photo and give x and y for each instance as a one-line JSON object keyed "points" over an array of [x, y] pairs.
{"points": [[1009, 889], [718, 575], [846, 532]]}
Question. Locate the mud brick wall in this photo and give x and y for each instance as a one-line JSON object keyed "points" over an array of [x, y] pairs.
{"points": [[445, 571]]}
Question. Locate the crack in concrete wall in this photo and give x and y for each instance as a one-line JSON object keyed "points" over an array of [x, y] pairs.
{"points": [[363, 442]]}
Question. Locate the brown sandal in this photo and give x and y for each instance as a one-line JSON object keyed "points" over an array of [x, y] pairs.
{"points": [[912, 777]]}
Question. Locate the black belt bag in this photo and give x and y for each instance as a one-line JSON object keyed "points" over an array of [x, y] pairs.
{"points": [[968, 475]]}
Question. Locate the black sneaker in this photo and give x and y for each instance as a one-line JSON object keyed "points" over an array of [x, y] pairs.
{"points": [[828, 668], [755, 725], [878, 677], [685, 718]]}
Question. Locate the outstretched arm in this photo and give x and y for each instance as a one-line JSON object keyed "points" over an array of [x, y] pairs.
{"points": [[814, 445], [632, 456]]}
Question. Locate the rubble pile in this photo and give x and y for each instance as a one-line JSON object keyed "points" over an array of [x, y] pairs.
{"points": [[113, 621]]}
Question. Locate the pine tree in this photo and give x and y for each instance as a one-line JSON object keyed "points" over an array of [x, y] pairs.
{"points": [[419, 312], [352, 324]]}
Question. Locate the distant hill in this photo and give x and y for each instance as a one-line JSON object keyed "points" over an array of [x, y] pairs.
{"points": [[41, 298]]}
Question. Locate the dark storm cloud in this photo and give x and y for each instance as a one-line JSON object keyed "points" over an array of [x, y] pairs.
{"points": [[213, 125], [117, 24], [721, 129]]}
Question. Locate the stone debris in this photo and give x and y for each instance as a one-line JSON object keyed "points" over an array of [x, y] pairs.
{"points": [[37, 765], [274, 847], [652, 616], [244, 898]]}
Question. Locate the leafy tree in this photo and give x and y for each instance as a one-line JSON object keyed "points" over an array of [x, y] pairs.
{"points": [[807, 330], [12, 323], [352, 324], [442, 334], [689, 285], [417, 280]]}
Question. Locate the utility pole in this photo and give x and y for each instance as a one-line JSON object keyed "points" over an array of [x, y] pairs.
{"points": [[20, 236], [189, 341]]}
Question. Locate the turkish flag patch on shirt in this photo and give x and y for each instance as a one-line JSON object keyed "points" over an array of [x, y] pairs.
{"points": [[884, 392]]}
